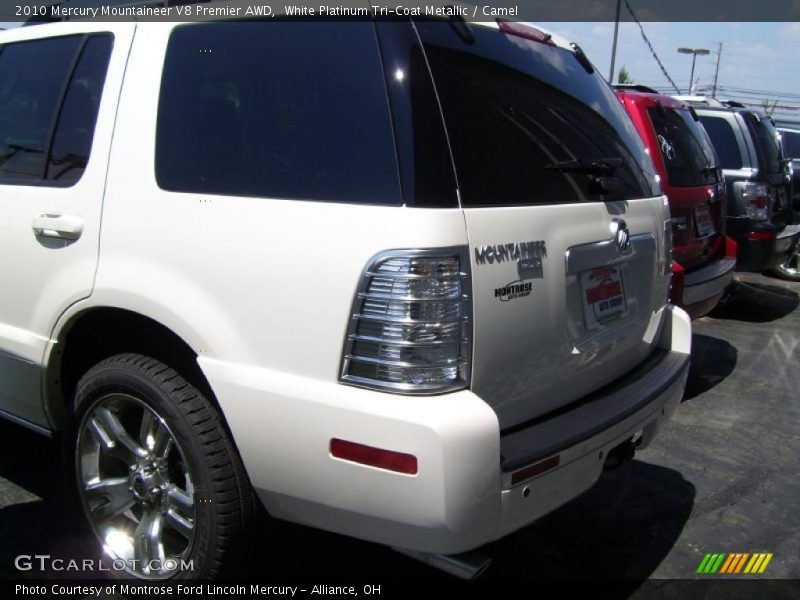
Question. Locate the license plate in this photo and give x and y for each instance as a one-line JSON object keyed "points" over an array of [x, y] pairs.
{"points": [[603, 292], [703, 222]]}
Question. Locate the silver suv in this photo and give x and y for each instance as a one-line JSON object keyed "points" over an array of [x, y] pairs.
{"points": [[405, 281], [760, 215]]}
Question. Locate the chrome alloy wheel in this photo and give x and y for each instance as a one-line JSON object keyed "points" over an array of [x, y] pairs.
{"points": [[135, 487], [791, 266]]}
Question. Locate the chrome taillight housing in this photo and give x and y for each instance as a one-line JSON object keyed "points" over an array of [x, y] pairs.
{"points": [[756, 198], [410, 329]]}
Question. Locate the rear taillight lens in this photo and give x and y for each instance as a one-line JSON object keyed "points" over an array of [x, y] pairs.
{"points": [[410, 329], [756, 200]]}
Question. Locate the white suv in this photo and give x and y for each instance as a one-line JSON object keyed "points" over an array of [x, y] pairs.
{"points": [[405, 281]]}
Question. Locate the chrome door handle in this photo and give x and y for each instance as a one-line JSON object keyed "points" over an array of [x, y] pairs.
{"points": [[63, 227]]}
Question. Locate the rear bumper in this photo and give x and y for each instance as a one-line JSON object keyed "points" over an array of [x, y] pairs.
{"points": [[699, 291], [764, 247], [462, 495]]}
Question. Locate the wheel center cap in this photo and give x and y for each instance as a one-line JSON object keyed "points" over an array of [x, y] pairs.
{"points": [[146, 485]]}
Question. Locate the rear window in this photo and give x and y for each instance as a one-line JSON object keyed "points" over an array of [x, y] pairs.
{"points": [[688, 155], [528, 124], [791, 143], [724, 140], [276, 109], [768, 142]]}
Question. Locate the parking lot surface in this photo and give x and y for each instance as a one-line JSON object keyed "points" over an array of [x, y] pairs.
{"points": [[721, 477]]}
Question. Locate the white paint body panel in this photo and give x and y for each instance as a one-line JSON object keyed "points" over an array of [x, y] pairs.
{"points": [[458, 501], [536, 354]]}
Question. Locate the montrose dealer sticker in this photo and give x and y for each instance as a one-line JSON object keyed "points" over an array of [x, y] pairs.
{"points": [[603, 292], [514, 290]]}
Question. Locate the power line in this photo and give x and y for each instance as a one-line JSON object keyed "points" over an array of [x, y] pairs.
{"points": [[771, 93], [783, 108], [649, 45], [730, 90]]}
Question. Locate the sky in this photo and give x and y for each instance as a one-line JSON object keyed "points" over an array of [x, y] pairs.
{"points": [[755, 56]]}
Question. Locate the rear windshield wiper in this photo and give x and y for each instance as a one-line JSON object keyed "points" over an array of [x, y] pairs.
{"points": [[597, 166]]}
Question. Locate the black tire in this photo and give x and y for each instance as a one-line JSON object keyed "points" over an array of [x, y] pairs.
{"points": [[181, 451]]}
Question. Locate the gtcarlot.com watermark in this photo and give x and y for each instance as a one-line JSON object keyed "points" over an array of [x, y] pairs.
{"points": [[44, 562]]}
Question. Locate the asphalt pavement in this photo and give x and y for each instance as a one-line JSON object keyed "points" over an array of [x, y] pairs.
{"points": [[721, 477]]}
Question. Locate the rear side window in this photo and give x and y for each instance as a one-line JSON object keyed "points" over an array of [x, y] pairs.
{"points": [[528, 124], [721, 134], [276, 109], [687, 153], [791, 143], [49, 96], [72, 142]]}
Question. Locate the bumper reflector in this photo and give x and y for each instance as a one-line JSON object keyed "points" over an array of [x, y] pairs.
{"points": [[374, 457], [760, 236], [535, 469]]}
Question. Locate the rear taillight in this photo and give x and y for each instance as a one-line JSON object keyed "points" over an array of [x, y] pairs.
{"points": [[760, 236], [410, 329], [731, 248], [756, 200], [676, 283]]}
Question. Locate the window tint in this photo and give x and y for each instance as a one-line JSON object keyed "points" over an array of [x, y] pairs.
{"points": [[426, 167], [721, 134], [277, 109], [72, 141], [766, 138], [688, 156], [32, 79], [791, 143], [527, 121]]}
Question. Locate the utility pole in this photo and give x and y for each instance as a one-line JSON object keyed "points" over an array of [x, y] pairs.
{"points": [[694, 52], [614, 45], [716, 73]]}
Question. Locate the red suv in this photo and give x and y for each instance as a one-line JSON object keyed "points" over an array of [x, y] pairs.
{"points": [[703, 256]]}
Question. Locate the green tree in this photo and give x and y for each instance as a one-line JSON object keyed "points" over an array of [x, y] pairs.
{"points": [[624, 76]]}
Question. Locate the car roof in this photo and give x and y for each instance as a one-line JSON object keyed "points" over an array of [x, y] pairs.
{"points": [[732, 109], [699, 101]]}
